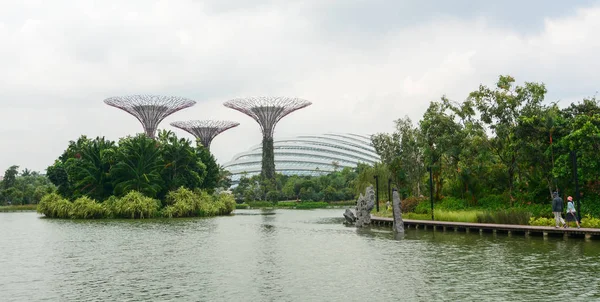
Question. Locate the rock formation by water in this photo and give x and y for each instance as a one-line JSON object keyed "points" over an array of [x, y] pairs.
{"points": [[398, 222], [350, 218], [364, 205]]}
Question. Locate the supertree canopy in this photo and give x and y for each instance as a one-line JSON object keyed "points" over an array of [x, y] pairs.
{"points": [[205, 130], [267, 111], [150, 110]]}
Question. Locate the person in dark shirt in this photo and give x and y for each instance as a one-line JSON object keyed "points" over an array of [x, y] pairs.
{"points": [[557, 209]]}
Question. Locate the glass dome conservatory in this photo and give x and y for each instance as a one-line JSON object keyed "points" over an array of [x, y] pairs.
{"points": [[307, 155]]}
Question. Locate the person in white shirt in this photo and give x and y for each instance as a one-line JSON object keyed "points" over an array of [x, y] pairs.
{"points": [[571, 213]]}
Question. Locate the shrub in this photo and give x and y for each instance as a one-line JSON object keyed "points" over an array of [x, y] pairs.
{"points": [[590, 222], [541, 221], [410, 204], [47, 203], [312, 205], [85, 207], [260, 204], [590, 206], [242, 206], [493, 202], [135, 205], [54, 206], [227, 202], [423, 207], [181, 203], [452, 204], [286, 204]]}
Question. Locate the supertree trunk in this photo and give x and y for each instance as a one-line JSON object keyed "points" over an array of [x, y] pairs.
{"points": [[267, 112], [268, 158]]}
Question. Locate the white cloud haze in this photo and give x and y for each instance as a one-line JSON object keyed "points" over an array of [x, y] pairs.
{"points": [[362, 63]]}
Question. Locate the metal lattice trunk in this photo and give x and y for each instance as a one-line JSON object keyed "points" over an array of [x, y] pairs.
{"points": [[150, 110], [267, 112], [205, 130]]}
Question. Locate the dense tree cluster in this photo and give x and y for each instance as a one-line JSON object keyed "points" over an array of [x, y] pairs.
{"points": [[341, 185], [99, 168], [27, 187], [503, 141]]}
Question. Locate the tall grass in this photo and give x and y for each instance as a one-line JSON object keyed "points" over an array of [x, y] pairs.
{"points": [[18, 208], [179, 203]]}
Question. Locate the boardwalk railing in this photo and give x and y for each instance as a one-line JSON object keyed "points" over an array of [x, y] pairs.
{"points": [[491, 228]]}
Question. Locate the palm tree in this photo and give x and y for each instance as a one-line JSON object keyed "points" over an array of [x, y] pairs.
{"points": [[26, 172], [181, 163], [91, 169], [138, 166]]}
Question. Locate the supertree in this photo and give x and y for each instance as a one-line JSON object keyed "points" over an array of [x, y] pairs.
{"points": [[205, 130], [150, 110], [267, 111]]}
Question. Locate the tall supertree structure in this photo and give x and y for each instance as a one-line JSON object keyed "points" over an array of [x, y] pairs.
{"points": [[150, 110], [205, 130], [267, 111]]}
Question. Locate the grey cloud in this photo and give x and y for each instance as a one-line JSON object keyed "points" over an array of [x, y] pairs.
{"points": [[362, 63]]}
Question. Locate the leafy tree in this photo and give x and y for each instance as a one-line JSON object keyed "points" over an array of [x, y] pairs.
{"points": [[182, 167], [138, 166], [500, 110], [10, 176]]}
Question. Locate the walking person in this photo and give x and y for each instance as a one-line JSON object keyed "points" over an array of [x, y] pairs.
{"points": [[571, 213], [557, 208]]}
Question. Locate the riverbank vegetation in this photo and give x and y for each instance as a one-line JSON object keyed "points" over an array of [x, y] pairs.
{"points": [[499, 153], [23, 188], [139, 177], [18, 208], [294, 204], [178, 203]]}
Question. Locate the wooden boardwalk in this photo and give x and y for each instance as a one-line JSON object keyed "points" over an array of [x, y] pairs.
{"points": [[530, 230]]}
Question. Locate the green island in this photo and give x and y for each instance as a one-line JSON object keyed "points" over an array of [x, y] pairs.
{"points": [[140, 177]]}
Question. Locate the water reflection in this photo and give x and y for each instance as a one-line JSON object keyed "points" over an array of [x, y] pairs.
{"points": [[283, 255]]}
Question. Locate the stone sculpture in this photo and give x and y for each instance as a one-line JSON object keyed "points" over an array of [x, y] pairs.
{"points": [[398, 222], [350, 218], [364, 205]]}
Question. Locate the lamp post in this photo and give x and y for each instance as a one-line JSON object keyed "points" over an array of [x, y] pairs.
{"points": [[576, 181], [390, 189], [431, 189], [376, 192]]}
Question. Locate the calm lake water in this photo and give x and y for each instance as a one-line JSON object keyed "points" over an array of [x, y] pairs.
{"points": [[282, 255]]}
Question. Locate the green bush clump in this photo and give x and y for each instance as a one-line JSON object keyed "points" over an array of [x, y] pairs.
{"points": [[226, 203], [260, 204], [136, 205], [410, 204], [181, 203], [287, 204], [423, 207], [178, 203], [86, 208], [242, 206], [590, 222], [541, 221], [493, 202], [452, 204], [54, 206], [312, 205]]}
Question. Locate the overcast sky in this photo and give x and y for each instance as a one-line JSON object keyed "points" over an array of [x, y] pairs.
{"points": [[362, 63]]}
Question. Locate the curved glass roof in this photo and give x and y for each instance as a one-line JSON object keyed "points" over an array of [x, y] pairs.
{"points": [[307, 155]]}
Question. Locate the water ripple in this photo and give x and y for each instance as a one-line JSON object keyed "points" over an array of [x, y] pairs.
{"points": [[286, 255]]}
